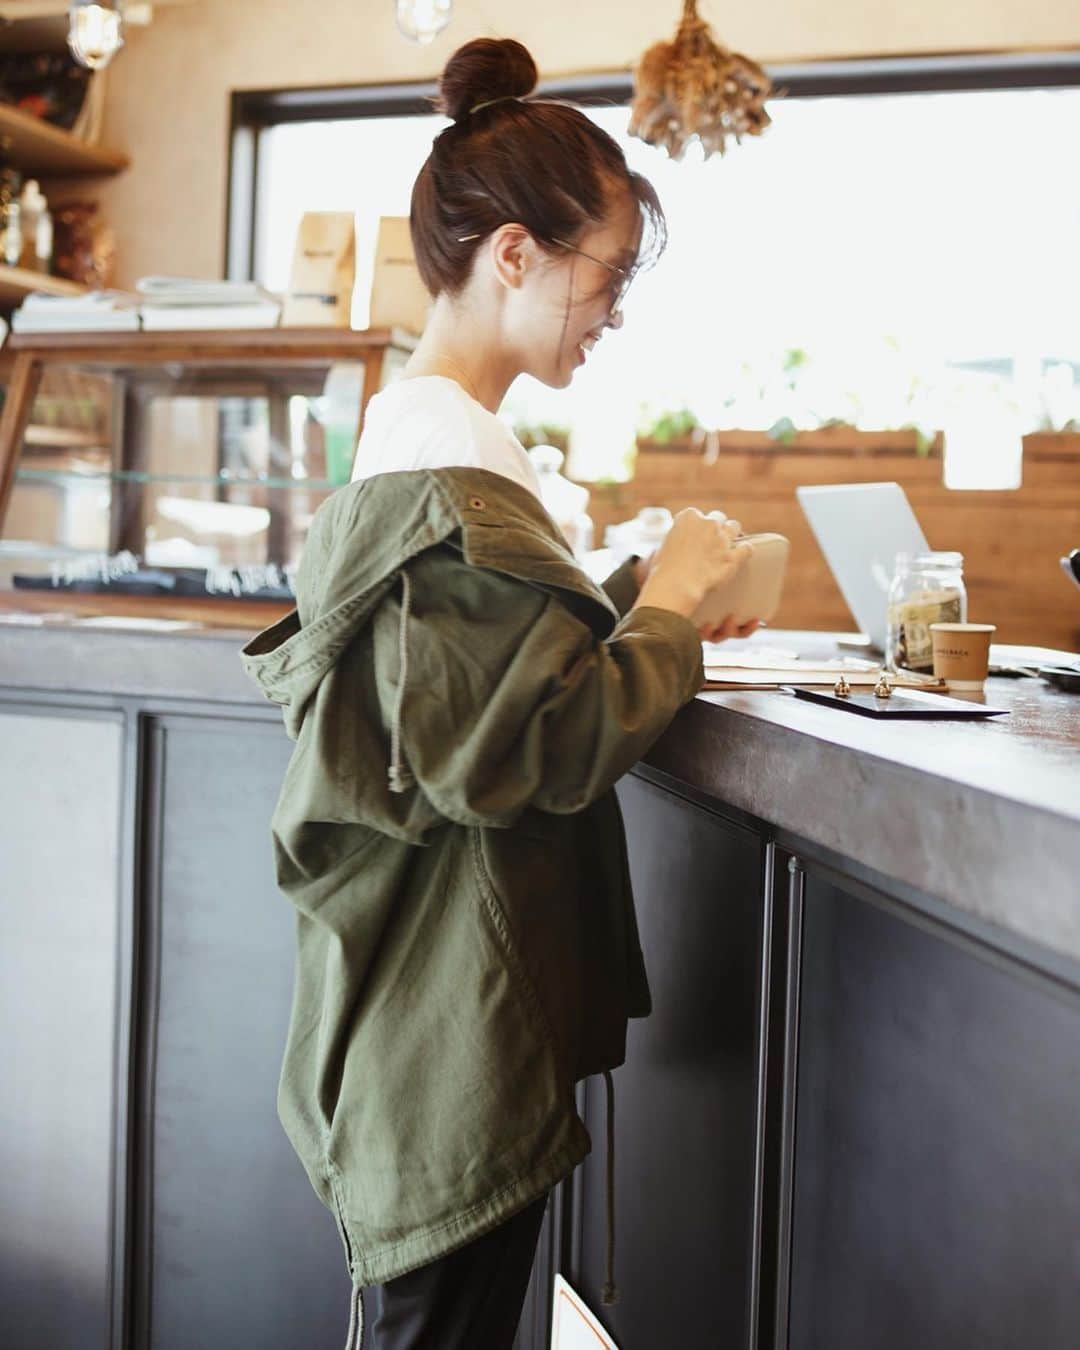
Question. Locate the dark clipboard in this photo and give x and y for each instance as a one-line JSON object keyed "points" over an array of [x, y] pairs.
{"points": [[901, 706]]}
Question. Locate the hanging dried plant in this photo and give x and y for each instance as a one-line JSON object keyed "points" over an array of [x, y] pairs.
{"points": [[694, 89]]}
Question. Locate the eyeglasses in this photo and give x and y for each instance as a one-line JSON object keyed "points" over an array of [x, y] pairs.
{"points": [[622, 277]]}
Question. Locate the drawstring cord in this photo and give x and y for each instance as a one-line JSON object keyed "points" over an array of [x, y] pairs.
{"points": [[610, 1293], [356, 1319], [401, 778]]}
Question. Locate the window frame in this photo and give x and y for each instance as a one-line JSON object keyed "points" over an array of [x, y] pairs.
{"points": [[255, 111]]}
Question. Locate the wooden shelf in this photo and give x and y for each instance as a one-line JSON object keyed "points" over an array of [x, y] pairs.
{"points": [[286, 345], [62, 438], [41, 150], [16, 283]]}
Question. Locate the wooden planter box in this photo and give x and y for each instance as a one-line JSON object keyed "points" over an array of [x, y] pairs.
{"points": [[836, 440], [1011, 540]]}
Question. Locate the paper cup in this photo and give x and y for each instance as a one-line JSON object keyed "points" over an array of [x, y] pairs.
{"points": [[962, 653]]}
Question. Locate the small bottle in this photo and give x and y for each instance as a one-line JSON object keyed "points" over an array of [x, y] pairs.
{"points": [[11, 239], [32, 206], [13, 236], [926, 588], [10, 182]]}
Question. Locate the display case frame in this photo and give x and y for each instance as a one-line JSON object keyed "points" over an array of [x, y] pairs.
{"points": [[167, 358]]}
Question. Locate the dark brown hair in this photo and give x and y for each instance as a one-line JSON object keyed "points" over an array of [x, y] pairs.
{"points": [[538, 163]]}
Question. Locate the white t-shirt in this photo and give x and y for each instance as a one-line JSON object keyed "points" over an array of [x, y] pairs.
{"points": [[430, 422]]}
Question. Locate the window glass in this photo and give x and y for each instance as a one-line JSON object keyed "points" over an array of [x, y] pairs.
{"points": [[366, 164], [884, 261]]}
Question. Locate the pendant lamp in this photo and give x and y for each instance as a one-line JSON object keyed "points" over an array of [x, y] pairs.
{"points": [[422, 20], [95, 32]]}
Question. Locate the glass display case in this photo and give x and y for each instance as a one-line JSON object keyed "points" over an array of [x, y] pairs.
{"points": [[175, 473]]}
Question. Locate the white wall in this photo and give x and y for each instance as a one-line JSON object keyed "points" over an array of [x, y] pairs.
{"points": [[168, 104]]}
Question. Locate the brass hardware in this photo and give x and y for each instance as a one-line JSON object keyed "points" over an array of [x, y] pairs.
{"points": [[841, 688]]}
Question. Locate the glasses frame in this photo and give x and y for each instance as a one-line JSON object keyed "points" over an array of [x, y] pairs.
{"points": [[626, 273]]}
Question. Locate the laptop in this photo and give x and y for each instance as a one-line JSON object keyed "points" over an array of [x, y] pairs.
{"points": [[861, 527]]}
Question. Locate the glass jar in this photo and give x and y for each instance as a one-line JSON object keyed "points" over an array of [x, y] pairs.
{"points": [[926, 588]]}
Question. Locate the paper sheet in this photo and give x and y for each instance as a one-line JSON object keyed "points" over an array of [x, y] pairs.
{"points": [[573, 1326]]}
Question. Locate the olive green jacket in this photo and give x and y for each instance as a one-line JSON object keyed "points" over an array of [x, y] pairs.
{"points": [[462, 698]]}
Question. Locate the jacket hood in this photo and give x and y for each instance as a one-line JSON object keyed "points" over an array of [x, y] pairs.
{"points": [[363, 535]]}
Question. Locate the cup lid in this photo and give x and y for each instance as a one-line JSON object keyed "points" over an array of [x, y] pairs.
{"points": [[963, 628]]}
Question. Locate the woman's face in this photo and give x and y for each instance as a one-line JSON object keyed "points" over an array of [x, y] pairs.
{"points": [[567, 304]]}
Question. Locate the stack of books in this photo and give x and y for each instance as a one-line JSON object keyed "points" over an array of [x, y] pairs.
{"points": [[98, 311], [186, 303]]}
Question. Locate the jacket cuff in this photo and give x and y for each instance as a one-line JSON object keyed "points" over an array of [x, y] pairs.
{"points": [[678, 633], [622, 586]]}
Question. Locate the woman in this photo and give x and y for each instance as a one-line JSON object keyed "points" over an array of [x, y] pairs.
{"points": [[462, 699]]}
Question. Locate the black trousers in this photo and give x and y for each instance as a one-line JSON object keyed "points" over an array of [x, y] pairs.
{"points": [[469, 1300]]}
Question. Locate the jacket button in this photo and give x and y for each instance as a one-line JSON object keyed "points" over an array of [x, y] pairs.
{"points": [[477, 503]]}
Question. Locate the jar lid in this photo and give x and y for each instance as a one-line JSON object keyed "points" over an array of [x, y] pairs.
{"points": [[952, 560]]}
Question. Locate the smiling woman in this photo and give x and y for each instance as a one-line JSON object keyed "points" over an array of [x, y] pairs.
{"points": [[519, 186], [445, 630]]}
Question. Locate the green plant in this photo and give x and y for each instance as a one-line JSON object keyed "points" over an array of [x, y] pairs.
{"points": [[924, 439], [782, 430], [669, 425]]}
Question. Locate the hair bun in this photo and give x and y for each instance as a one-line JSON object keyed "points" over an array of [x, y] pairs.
{"points": [[482, 70]]}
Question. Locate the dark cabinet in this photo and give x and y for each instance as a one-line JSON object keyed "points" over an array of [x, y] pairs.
{"points": [[232, 1245], [845, 1125], [60, 839], [686, 1096], [937, 1151]]}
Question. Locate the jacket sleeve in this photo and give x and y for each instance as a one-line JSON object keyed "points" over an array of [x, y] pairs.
{"points": [[511, 701], [622, 586]]}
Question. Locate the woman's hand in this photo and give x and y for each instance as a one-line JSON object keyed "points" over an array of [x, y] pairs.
{"points": [[728, 629], [698, 553]]}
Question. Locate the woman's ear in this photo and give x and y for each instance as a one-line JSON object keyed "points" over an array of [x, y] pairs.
{"points": [[513, 253]]}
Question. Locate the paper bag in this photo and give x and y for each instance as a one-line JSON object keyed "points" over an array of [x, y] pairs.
{"points": [[323, 272], [399, 299]]}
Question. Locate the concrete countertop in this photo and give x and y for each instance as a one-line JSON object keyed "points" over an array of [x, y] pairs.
{"points": [[125, 659], [984, 816]]}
